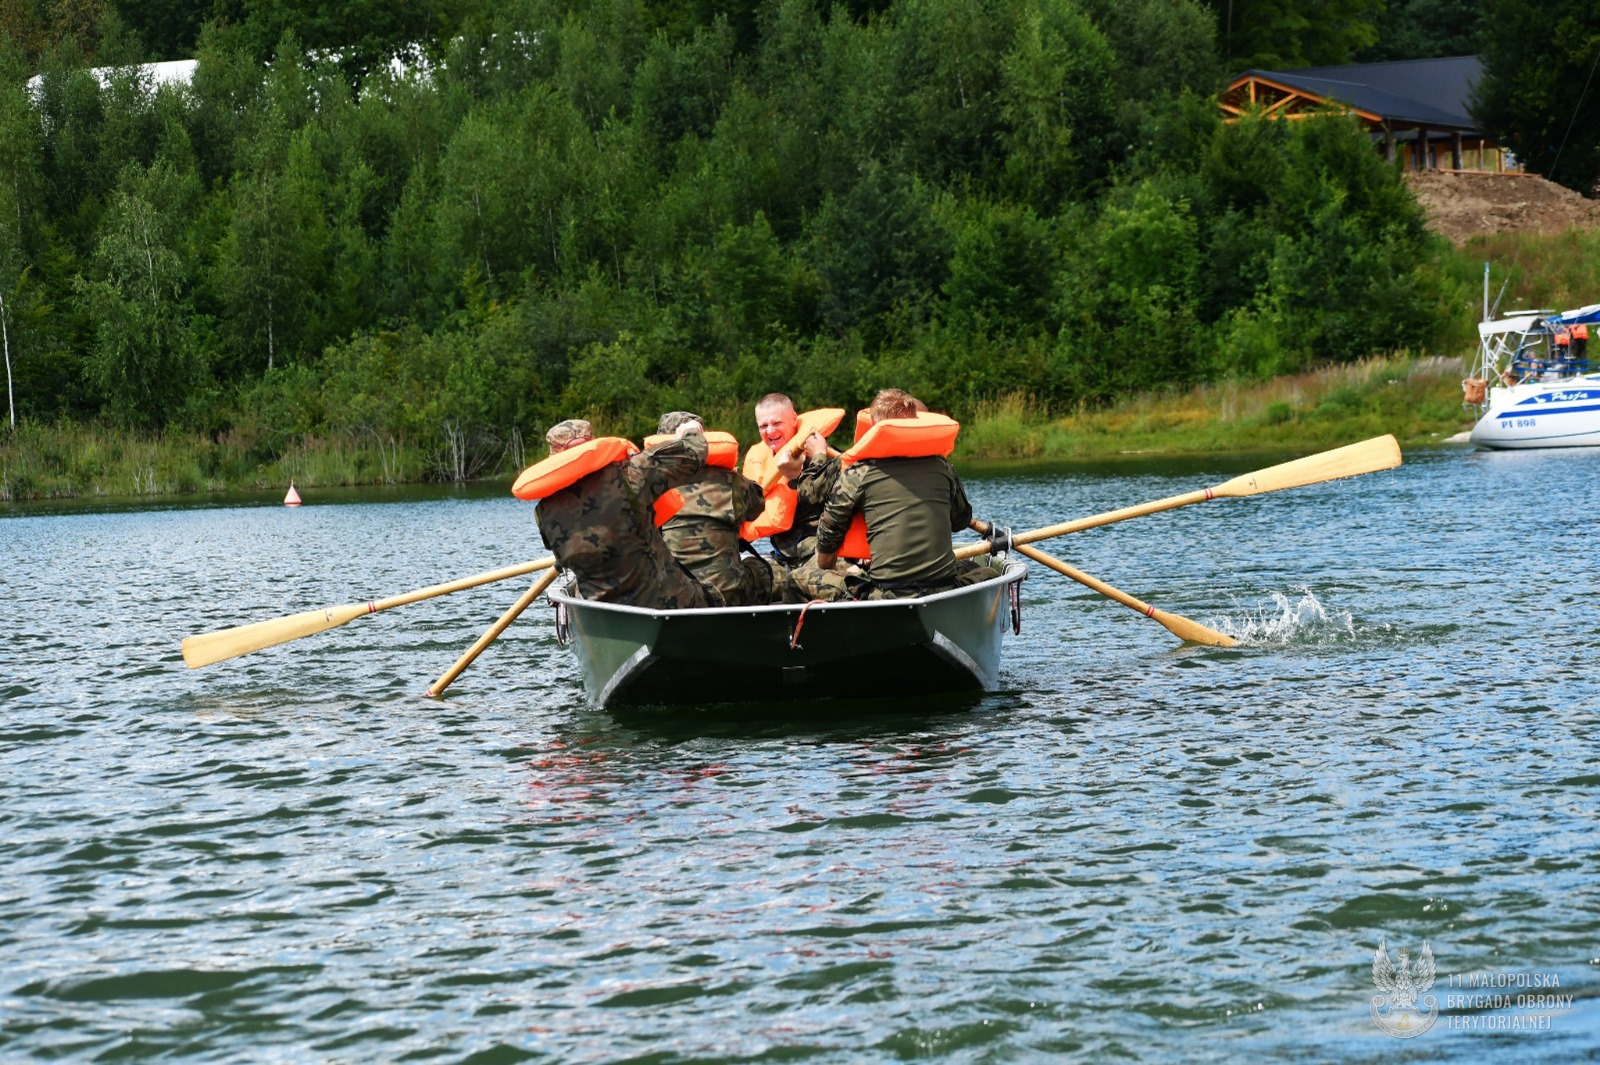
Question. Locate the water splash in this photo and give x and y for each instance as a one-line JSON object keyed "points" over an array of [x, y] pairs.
{"points": [[1288, 621]]}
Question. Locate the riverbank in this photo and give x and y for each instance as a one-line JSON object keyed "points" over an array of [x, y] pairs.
{"points": [[1417, 399]]}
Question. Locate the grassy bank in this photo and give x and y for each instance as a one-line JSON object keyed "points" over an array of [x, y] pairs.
{"points": [[1419, 400], [67, 461]]}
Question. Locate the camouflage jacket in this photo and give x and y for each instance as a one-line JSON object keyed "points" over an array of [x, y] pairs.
{"points": [[813, 487], [704, 535], [603, 528], [911, 507]]}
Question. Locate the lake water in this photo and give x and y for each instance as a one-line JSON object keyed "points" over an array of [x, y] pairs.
{"points": [[1135, 850]]}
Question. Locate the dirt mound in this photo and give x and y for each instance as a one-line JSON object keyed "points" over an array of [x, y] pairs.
{"points": [[1460, 206]]}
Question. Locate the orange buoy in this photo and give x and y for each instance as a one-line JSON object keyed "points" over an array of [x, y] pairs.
{"points": [[293, 498]]}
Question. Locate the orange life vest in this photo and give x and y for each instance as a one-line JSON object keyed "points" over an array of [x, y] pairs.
{"points": [[564, 468], [921, 436], [722, 450], [1580, 332], [1563, 338], [863, 423], [761, 466]]}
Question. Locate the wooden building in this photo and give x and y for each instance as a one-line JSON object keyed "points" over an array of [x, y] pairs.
{"points": [[1415, 110]]}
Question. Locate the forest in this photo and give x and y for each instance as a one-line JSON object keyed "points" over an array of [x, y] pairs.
{"points": [[427, 231]]}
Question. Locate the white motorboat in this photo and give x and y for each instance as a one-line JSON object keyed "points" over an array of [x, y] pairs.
{"points": [[1533, 384]]}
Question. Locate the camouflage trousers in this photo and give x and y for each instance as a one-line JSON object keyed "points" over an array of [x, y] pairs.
{"points": [[709, 550], [830, 586], [746, 582]]}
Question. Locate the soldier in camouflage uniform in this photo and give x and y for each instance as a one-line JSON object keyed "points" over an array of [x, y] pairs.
{"points": [[813, 482], [602, 527], [911, 506], [812, 475], [704, 534]]}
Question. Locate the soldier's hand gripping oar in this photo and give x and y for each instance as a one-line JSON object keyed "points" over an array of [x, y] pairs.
{"points": [[1369, 456], [490, 635], [1181, 627], [212, 647]]}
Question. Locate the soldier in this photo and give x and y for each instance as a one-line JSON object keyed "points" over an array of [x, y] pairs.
{"points": [[601, 523], [911, 506], [811, 475], [702, 531]]}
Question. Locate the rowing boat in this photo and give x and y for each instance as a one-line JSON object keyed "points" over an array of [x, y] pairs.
{"points": [[944, 642]]}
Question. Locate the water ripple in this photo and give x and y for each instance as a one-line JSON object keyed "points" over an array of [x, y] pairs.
{"points": [[1137, 850]]}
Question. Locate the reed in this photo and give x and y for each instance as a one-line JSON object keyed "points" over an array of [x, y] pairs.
{"points": [[66, 461]]}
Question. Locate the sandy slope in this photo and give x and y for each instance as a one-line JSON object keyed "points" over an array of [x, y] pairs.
{"points": [[1464, 205]]}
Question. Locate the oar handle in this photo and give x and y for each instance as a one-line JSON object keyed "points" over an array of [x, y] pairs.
{"points": [[464, 583], [1113, 516], [492, 634], [1108, 518]]}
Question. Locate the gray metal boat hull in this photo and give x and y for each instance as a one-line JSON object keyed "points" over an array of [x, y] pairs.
{"points": [[947, 642]]}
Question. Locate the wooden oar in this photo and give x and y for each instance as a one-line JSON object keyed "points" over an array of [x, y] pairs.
{"points": [[1369, 456], [1181, 627], [209, 647], [490, 635]]}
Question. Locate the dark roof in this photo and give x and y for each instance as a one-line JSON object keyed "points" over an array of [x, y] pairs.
{"points": [[1431, 92]]}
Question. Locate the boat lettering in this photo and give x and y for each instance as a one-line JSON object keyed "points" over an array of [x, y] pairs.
{"points": [[1524, 423]]}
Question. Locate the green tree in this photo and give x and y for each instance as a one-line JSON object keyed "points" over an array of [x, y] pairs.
{"points": [[1130, 299], [1426, 29], [271, 258], [877, 248], [1055, 95], [225, 100], [1540, 91], [1281, 34], [360, 37], [142, 358], [1163, 49], [167, 29], [939, 112], [20, 163]]}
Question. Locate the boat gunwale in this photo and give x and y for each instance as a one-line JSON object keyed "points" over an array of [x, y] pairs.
{"points": [[1015, 570]]}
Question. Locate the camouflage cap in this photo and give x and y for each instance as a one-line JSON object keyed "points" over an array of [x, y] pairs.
{"points": [[669, 422], [563, 435]]}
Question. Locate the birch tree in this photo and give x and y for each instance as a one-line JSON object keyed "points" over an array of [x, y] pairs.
{"points": [[141, 357]]}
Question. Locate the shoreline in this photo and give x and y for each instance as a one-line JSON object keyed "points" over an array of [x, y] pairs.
{"points": [[1416, 399]]}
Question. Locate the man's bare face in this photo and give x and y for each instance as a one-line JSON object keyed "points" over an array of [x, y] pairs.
{"points": [[776, 423]]}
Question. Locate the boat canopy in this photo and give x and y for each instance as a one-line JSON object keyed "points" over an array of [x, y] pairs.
{"points": [[1524, 346], [1582, 316], [1521, 323]]}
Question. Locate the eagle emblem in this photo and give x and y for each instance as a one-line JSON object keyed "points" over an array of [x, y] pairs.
{"points": [[1404, 985]]}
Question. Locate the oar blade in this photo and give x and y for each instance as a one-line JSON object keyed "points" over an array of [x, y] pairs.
{"points": [[1193, 631], [1368, 456], [209, 647]]}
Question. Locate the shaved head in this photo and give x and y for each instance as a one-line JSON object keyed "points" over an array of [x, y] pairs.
{"points": [[776, 419]]}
